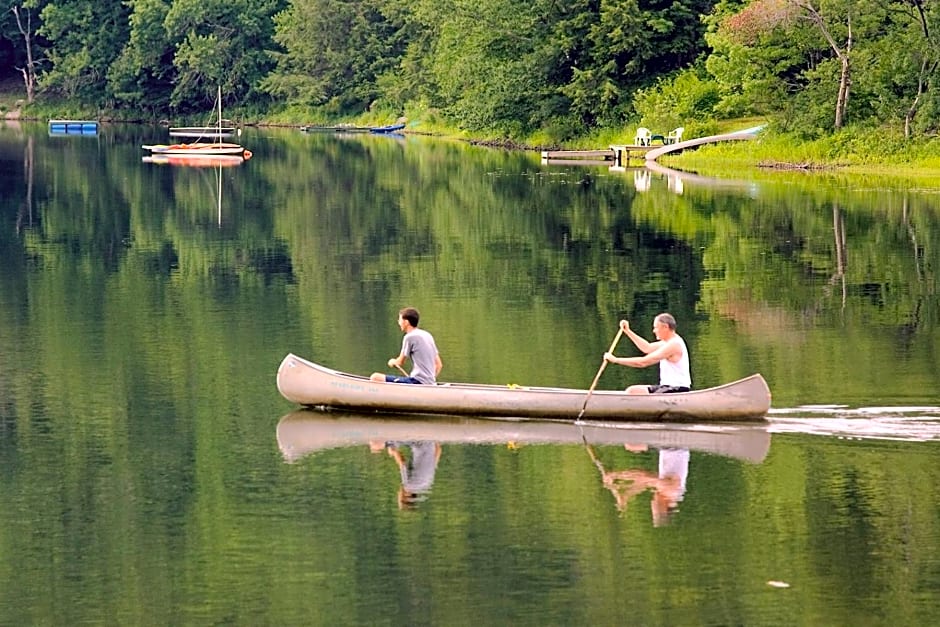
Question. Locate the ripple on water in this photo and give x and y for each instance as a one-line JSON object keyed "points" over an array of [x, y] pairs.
{"points": [[905, 423]]}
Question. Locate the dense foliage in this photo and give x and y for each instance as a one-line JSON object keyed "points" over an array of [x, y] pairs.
{"points": [[497, 66]]}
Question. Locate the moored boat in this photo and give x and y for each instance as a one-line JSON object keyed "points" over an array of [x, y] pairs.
{"points": [[306, 383], [200, 148], [390, 128], [202, 131], [304, 432], [196, 149]]}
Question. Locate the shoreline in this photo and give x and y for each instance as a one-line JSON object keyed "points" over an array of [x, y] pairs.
{"points": [[710, 160]]}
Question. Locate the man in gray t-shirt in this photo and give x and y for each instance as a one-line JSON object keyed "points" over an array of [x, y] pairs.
{"points": [[417, 345]]}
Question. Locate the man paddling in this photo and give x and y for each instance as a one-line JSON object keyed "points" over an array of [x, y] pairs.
{"points": [[418, 345], [669, 351]]}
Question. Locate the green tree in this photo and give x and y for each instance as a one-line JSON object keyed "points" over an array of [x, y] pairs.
{"points": [[821, 52], [219, 43], [333, 52], [143, 74], [488, 62], [618, 46], [85, 40]]}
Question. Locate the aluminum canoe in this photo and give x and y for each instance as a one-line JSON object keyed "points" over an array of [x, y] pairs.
{"points": [[306, 383]]}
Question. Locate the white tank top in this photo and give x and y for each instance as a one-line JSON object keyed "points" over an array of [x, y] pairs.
{"points": [[676, 373]]}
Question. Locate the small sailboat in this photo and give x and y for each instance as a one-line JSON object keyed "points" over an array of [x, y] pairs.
{"points": [[202, 150]]}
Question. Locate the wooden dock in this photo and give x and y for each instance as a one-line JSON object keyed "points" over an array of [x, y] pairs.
{"points": [[618, 155]]}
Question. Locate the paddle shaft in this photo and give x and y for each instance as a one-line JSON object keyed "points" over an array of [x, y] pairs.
{"points": [[600, 371]]}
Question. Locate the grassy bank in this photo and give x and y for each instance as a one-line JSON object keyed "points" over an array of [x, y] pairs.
{"points": [[851, 153]]}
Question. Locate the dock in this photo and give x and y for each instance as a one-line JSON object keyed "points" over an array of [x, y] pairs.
{"points": [[616, 155]]}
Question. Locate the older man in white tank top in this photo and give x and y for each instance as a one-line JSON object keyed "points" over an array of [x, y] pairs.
{"points": [[669, 351]]}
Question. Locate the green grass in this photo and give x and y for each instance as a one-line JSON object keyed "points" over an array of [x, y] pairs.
{"points": [[12, 91]]}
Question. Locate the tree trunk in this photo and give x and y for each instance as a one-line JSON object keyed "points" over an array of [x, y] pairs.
{"points": [[843, 98], [28, 72], [811, 13]]}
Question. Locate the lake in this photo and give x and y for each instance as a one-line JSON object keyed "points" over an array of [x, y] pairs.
{"points": [[150, 473]]}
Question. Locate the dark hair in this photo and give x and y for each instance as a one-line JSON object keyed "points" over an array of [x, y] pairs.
{"points": [[668, 320], [411, 315]]}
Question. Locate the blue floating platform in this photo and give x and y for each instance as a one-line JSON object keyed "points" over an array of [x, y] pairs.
{"points": [[73, 127]]}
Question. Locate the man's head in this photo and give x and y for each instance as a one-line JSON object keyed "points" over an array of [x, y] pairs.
{"points": [[409, 315], [666, 319], [664, 325]]}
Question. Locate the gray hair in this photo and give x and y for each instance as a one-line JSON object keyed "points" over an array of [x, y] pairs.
{"points": [[667, 319]]}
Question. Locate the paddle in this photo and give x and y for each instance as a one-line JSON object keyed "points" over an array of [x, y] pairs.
{"points": [[600, 370], [402, 370]]}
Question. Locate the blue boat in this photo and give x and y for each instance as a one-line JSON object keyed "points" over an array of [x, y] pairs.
{"points": [[391, 128]]}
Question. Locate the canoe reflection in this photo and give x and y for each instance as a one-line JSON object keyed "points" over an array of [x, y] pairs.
{"points": [[414, 442]]}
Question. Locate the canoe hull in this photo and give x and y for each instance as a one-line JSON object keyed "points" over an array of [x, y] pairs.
{"points": [[306, 383]]}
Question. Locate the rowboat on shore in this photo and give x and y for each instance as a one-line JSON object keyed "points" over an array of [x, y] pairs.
{"points": [[305, 432], [306, 383]]}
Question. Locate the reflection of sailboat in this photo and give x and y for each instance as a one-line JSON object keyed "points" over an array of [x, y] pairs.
{"points": [[218, 150], [198, 161], [304, 432]]}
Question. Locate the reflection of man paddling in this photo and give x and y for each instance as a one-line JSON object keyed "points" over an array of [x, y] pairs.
{"points": [[417, 470], [668, 485]]}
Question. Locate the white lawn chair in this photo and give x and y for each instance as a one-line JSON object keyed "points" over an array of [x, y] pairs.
{"points": [[674, 136], [643, 136]]}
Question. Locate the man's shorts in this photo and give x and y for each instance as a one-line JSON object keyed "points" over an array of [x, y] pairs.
{"points": [[667, 389]]}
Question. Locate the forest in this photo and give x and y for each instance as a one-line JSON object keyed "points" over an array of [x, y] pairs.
{"points": [[507, 68]]}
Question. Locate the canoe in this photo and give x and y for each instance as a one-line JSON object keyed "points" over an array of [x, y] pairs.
{"points": [[306, 383], [305, 432]]}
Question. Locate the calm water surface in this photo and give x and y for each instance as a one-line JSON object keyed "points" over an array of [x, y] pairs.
{"points": [[151, 474]]}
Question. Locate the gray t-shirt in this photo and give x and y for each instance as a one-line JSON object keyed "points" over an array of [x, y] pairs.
{"points": [[419, 346]]}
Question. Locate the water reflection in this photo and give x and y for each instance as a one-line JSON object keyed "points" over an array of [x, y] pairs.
{"points": [[667, 485], [415, 443], [417, 465]]}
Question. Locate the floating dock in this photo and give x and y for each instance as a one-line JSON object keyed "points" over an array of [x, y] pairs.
{"points": [[617, 155], [73, 127]]}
